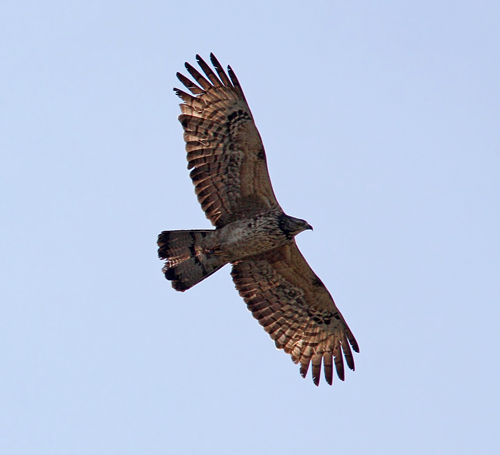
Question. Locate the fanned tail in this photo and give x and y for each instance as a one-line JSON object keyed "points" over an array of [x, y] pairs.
{"points": [[188, 260]]}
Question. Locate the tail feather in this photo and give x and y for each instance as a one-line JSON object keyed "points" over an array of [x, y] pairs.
{"points": [[188, 260]]}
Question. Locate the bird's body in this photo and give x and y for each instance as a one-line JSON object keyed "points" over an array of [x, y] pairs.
{"points": [[252, 232], [255, 235], [235, 241]]}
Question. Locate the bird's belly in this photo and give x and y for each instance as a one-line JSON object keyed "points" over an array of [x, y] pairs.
{"points": [[242, 241]]}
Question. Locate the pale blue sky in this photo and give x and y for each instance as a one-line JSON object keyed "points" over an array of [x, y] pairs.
{"points": [[381, 122]]}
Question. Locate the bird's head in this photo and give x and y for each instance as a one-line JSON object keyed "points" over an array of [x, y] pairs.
{"points": [[292, 226]]}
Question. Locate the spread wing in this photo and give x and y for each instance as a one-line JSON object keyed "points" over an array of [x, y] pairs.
{"points": [[296, 309], [224, 148]]}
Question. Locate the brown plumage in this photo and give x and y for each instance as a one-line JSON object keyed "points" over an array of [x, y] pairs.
{"points": [[229, 171]]}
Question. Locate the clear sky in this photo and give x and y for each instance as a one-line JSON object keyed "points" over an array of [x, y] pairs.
{"points": [[381, 122]]}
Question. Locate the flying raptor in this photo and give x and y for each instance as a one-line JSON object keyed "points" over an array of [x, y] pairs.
{"points": [[252, 232]]}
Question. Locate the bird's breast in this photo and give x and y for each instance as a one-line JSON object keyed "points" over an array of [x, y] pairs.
{"points": [[249, 237]]}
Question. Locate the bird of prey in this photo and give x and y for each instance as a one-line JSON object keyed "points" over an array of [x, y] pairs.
{"points": [[252, 232]]}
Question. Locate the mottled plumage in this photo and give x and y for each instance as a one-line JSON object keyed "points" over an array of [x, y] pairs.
{"points": [[229, 171]]}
